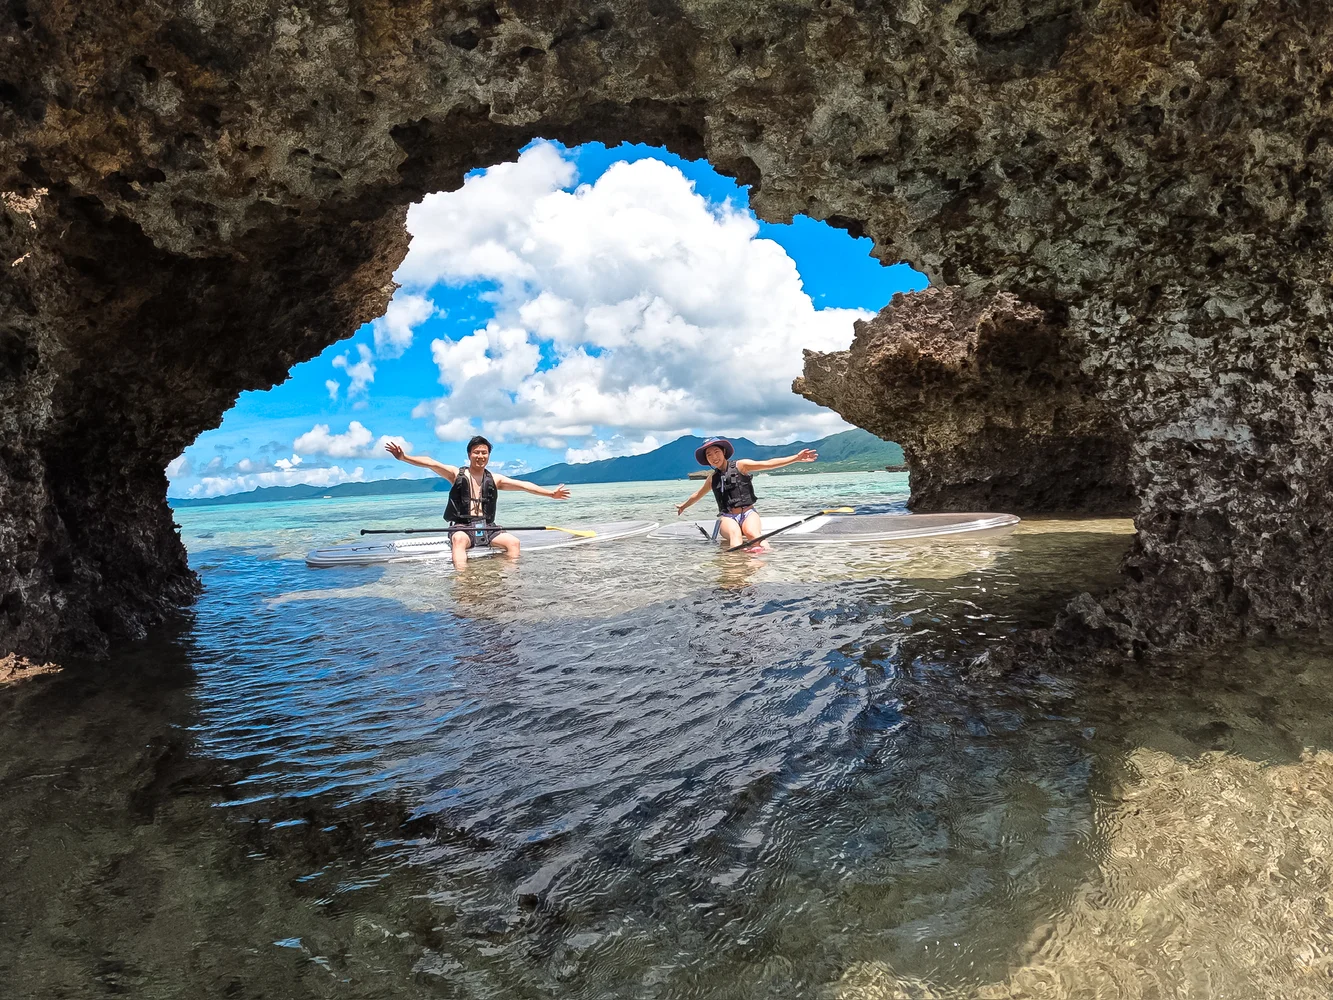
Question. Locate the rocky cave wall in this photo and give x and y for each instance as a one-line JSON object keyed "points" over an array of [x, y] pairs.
{"points": [[987, 398], [198, 196]]}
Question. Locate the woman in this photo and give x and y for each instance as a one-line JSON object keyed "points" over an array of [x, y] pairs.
{"points": [[732, 487]]}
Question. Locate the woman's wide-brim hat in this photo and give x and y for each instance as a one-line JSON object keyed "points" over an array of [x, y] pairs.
{"points": [[723, 443]]}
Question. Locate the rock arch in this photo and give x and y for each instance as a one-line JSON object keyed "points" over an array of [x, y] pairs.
{"points": [[199, 196]]}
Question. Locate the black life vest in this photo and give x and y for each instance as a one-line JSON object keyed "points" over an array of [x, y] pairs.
{"points": [[459, 510], [732, 488]]}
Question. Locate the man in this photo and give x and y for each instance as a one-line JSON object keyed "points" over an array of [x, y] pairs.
{"points": [[731, 486], [472, 501]]}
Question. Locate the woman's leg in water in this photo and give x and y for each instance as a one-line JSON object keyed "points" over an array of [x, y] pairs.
{"points": [[753, 526], [729, 531]]}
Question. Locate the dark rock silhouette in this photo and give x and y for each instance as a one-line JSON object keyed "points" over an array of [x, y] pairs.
{"points": [[196, 197]]}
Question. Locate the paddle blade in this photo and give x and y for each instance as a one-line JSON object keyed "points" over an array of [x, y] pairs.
{"points": [[571, 531], [838, 510]]}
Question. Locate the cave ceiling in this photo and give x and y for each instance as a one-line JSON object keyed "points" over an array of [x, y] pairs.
{"points": [[1124, 207]]}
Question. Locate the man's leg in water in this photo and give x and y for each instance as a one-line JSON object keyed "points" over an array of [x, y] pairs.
{"points": [[506, 543], [460, 542]]}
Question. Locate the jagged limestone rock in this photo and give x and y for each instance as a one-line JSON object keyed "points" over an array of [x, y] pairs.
{"points": [[986, 399], [198, 196]]}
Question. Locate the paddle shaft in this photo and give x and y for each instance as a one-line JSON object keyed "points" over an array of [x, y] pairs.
{"points": [[464, 527], [749, 542]]}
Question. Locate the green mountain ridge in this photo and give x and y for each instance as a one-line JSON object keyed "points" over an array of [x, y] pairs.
{"points": [[853, 450], [849, 451]]}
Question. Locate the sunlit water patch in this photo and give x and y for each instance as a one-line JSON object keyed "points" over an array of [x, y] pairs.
{"points": [[649, 770]]}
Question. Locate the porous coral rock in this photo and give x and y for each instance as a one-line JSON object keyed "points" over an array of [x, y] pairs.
{"points": [[225, 187], [987, 400]]}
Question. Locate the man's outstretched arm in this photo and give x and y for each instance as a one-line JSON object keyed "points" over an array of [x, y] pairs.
{"points": [[555, 493], [449, 472]]}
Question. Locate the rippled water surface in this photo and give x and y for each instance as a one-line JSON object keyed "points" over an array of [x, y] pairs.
{"points": [[649, 770]]}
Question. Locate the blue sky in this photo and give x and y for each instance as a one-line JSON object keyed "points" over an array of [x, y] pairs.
{"points": [[573, 305]]}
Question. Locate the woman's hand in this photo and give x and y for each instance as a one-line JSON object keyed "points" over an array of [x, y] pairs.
{"points": [[808, 455], [561, 492], [396, 450], [680, 508]]}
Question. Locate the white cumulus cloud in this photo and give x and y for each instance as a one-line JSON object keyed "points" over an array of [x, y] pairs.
{"points": [[632, 306], [393, 330], [362, 372], [212, 486], [333, 386], [615, 448], [355, 442]]}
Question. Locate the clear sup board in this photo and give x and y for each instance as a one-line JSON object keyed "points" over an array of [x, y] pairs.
{"points": [[386, 549], [857, 528]]}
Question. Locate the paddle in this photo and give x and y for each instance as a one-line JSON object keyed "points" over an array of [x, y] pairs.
{"points": [[463, 527], [749, 542]]}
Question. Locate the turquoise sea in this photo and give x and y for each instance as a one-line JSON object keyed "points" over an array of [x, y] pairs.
{"points": [[647, 769]]}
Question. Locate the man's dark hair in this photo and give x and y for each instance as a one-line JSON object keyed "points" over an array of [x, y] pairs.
{"points": [[476, 440]]}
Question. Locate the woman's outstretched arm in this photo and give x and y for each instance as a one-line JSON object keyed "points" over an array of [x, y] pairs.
{"points": [[750, 465], [698, 495]]}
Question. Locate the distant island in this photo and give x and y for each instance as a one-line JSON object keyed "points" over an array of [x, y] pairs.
{"points": [[272, 494], [850, 451]]}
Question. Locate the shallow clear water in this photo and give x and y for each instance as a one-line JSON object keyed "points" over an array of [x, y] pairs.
{"points": [[649, 770]]}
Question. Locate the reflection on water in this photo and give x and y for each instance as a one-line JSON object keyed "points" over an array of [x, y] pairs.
{"points": [[652, 771]]}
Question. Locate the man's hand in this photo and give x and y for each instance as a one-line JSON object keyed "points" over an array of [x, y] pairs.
{"points": [[561, 492], [808, 455], [396, 450]]}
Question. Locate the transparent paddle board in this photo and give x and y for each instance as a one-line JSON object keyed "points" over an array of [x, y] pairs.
{"points": [[387, 548], [858, 528]]}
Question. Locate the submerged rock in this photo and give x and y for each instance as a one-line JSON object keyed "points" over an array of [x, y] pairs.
{"points": [[197, 197], [14, 669], [1215, 883]]}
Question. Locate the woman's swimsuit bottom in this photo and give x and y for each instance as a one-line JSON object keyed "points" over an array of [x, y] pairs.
{"points": [[477, 535], [738, 517]]}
